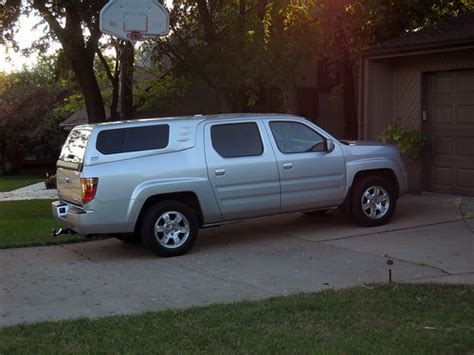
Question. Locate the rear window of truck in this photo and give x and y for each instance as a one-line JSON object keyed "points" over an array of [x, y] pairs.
{"points": [[122, 140], [233, 140], [74, 148]]}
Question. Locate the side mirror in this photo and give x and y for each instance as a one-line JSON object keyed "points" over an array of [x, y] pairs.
{"points": [[330, 146]]}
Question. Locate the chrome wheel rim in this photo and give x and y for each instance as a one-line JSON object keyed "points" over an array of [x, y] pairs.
{"points": [[375, 202], [172, 229]]}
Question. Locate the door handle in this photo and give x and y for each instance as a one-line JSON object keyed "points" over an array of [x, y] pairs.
{"points": [[219, 172], [287, 166]]}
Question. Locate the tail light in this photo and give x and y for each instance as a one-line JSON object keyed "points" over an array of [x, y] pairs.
{"points": [[89, 188]]}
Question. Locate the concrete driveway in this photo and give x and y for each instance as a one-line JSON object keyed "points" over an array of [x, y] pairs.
{"points": [[427, 240]]}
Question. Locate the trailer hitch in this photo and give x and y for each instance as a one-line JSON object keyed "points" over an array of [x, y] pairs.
{"points": [[60, 231]]}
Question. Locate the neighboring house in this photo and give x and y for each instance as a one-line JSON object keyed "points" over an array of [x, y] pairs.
{"points": [[78, 118], [425, 80]]}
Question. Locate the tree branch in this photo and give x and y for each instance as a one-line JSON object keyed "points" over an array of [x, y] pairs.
{"points": [[51, 20], [106, 66]]}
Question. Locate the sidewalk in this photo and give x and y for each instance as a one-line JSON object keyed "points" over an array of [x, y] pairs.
{"points": [[32, 192]]}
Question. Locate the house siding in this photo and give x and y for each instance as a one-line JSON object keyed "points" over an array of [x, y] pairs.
{"points": [[407, 81], [393, 93]]}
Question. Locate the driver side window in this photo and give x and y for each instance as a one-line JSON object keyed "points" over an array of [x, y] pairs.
{"points": [[294, 137]]}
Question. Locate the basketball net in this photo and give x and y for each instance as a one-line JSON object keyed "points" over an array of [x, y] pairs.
{"points": [[135, 37]]}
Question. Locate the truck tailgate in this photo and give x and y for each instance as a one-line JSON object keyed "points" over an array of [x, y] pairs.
{"points": [[69, 185]]}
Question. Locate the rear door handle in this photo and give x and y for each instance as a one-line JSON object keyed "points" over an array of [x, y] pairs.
{"points": [[219, 172], [287, 166]]}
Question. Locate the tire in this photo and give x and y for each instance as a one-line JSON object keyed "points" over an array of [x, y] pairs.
{"points": [[373, 201], [129, 238], [169, 228]]}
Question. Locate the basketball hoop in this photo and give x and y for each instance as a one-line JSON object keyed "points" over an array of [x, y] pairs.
{"points": [[135, 37], [134, 20]]}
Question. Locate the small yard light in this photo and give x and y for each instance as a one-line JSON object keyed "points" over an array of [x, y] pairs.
{"points": [[389, 262]]}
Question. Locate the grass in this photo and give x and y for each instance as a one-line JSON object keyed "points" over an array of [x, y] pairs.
{"points": [[399, 318], [8, 183], [28, 223]]}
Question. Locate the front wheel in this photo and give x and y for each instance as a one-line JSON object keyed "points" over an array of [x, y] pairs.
{"points": [[169, 228], [373, 201]]}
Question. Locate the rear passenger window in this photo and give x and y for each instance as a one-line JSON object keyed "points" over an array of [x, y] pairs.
{"points": [[236, 140], [133, 139]]}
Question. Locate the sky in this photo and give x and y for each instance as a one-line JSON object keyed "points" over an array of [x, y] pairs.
{"points": [[12, 61]]}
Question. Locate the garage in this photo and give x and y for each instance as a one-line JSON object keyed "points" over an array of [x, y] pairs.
{"points": [[425, 81], [450, 126]]}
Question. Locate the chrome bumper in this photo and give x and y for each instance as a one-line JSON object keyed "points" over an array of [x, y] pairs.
{"points": [[76, 218]]}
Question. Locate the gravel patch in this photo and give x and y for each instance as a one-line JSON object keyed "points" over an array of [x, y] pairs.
{"points": [[32, 192]]}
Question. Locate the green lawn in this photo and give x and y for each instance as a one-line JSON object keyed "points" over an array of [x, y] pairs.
{"points": [[8, 183], [28, 223], [377, 319]]}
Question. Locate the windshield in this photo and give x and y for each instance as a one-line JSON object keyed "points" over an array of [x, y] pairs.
{"points": [[74, 148]]}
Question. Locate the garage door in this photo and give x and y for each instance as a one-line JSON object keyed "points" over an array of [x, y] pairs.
{"points": [[451, 132]]}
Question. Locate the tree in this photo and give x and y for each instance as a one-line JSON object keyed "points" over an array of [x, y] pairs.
{"points": [[238, 47], [9, 14], [75, 24], [79, 49], [28, 119]]}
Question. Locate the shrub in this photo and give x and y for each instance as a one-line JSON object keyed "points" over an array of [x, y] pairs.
{"points": [[409, 141], [50, 181]]}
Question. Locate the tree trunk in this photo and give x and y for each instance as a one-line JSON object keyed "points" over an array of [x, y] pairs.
{"points": [[126, 83], [348, 94], [79, 52], [114, 116], [90, 89], [206, 19]]}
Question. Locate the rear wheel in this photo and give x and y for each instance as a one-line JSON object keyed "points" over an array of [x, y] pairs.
{"points": [[169, 228], [373, 201]]}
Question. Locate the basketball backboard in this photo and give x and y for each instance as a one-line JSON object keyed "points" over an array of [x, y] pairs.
{"points": [[134, 19]]}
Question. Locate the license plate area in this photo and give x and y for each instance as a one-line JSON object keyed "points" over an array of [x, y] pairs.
{"points": [[62, 210]]}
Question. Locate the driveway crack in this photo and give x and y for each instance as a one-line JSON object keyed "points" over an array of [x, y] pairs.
{"points": [[369, 234], [419, 264], [445, 272]]}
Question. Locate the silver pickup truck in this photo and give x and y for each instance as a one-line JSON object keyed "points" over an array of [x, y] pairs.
{"points": [[160, 180]]}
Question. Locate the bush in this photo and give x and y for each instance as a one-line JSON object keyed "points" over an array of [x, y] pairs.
{"points": [[409, 141], [50, 181]]}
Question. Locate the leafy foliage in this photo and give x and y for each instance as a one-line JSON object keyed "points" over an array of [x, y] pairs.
{"points": [[409, 141], [75, 24], [159, 91], [238, 47], [29, 119], [9, 13]]}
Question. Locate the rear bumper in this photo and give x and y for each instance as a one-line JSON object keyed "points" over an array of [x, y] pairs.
{"points": [[77, 218]]}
